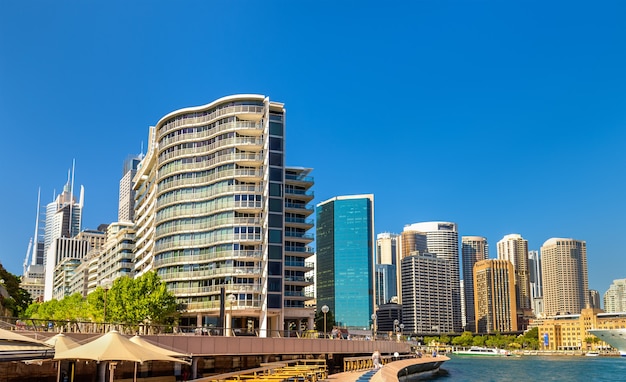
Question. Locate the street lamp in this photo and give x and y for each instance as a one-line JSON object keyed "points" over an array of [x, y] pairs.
{"points": [[395, 325], [401, 329], [231, 299], [374, 327], [105, 286], [325, 310]]}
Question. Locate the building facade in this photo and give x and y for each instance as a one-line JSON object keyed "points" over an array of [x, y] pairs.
{"points": [[385, 284], [536, 284], [565, 279], [218, 219], [615, 297], [427, 302], [473, 249], [442, 239], [345, 259], [494, 296]]}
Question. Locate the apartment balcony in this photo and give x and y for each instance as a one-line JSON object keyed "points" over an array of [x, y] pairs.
{"points": [[304, 266], [303, 195], [299, 208], [210, 273], [298, 237], [298, 280], [298, 222], [298, 295], [299, 179], [210, 257], [299, 251]]}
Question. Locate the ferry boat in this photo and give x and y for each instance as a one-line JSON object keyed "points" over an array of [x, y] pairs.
{"points": [[614, 337], [485, 352]]}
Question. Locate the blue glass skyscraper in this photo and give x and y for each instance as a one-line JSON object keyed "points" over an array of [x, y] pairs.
{"points": [[345, 259]]}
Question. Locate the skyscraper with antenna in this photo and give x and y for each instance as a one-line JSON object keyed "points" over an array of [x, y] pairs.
{"points": [[63, 220]]}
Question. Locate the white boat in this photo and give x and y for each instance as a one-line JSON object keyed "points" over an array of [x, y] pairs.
{"points": [[485, 352], [592, 354], [614, 337]]}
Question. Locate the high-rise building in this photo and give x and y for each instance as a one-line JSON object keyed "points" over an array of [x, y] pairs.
{"points": [[473, 249], [534, 279], [345, 258], [615, 297], [63, 220], [594, 299], [220, 218], [494, 296], [126, 205], [387, 253], [564, 274], [427, 303], [411, 243], [385, 283], [514, 248], [442, 239]]}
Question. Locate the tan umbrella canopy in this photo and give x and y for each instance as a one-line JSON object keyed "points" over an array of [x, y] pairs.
{"points": [[113, 346], [149, 345], [61, 342], [16, 347]]}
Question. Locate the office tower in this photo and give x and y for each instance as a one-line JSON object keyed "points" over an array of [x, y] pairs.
{"points": [[387, 248], [615, 297], [345, 258], [514, 248], [220, 219], [63, 220], [594, 299], [494, 296], [385, 283], [534, 276], [411, 243], [473, 249], [442, 239], [427, 302], [126, 206], [387, 252], [564, 274]]}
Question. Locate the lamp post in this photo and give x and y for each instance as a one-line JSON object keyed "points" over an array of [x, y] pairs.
{"points": [[231, 299], [401, 329], [374, 327], [105, 286], [325, 310]]}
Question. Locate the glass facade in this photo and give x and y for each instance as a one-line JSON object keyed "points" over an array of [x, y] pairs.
{"points": [[345, 259]]}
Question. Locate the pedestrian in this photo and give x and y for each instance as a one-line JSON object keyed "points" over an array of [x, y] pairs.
{"points": [[376, 360]]}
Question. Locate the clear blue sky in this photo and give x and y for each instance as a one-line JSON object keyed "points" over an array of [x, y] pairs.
{"points": [[502, 116]]}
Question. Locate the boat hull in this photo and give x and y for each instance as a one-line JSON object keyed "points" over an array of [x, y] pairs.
{"points": [[614, 337]]}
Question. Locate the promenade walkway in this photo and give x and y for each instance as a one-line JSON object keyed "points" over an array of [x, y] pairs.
{"points": [[392, 370]]}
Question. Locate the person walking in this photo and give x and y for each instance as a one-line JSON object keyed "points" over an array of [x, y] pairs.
{"points": [[376, 360]]}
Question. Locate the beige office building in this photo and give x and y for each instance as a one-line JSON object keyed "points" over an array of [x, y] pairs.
{"points": [[564, 273], [494, 296]]}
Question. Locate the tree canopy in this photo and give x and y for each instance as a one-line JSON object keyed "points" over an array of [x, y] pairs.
{"points": [[18, 299]]}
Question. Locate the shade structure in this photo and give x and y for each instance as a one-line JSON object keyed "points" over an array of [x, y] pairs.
{"points": [[113, 346], [149, 345], [61, 342], [16, 347]]}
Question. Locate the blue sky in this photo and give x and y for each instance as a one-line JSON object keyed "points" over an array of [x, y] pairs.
{"points": [[504, 117]]}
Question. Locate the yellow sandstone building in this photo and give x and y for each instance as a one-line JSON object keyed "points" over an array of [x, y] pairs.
{"points": [[571, 332]]}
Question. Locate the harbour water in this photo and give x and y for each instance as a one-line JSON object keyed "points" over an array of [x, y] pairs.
{"points": [[532, 368]]}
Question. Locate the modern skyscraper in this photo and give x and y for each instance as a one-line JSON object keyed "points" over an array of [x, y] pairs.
{"points": [[126, 206], [411, 243], [494, 296], [564, 273], [615, 297], [514, 248], [385, 283], [473, 249], [345, 258], [388, 253], [219, 217], [442, 239], [63, 220], [427, 302], [536, 283]]}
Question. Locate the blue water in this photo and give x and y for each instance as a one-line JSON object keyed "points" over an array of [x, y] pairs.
{"points": [[532, 368]]}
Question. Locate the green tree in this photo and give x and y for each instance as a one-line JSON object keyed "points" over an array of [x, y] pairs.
{"points": [[18, 299], [466, 339], [319, 320]]}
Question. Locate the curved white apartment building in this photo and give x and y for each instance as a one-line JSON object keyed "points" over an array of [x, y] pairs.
{"points": [[220, 218]]}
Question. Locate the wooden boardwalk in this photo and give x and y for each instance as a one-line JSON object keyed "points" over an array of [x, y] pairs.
{"points": [[391, 370]]}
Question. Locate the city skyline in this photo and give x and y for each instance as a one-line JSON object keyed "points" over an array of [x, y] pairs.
{"points": [[444, 111]]}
